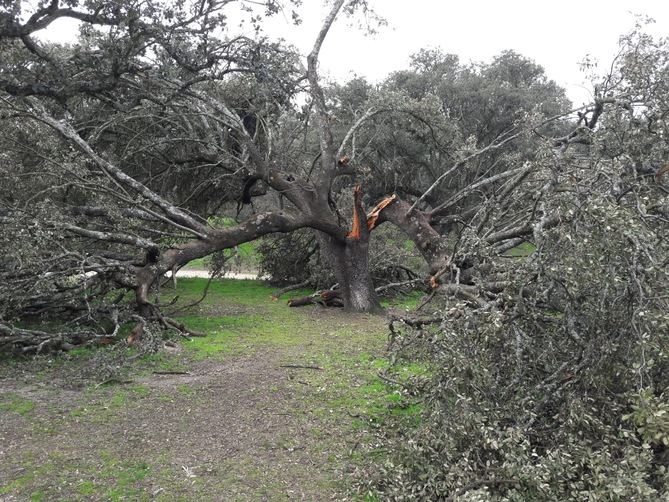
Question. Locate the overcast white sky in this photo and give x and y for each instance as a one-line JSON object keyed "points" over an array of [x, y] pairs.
{"points": [[557, 35]]}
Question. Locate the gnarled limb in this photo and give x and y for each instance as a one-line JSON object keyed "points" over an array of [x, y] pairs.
{"points": [[416, 225], [328, 164]]}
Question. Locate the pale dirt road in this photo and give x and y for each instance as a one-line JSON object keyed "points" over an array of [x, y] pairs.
{"points": [[204, 274]]}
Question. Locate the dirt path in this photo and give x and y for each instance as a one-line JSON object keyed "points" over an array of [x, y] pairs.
{"points": [[204, 274], [243, 422]]}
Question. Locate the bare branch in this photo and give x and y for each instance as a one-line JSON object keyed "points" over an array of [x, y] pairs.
{"points": [[351, 132], [110, 236], [322, 119], [475, 186], [68, 132], [493, 146]]}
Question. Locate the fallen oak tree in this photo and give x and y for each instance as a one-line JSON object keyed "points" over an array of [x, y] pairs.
{"points": [[181, 236], [149, 221]]}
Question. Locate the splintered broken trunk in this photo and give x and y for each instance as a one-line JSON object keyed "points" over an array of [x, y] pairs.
{"points": [[349, 262]]}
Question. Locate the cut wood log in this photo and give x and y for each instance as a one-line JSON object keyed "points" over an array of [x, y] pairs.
{"points": [[327, 298]]}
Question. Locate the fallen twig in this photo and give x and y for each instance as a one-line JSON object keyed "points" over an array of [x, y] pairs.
{"points": [[113, 380], [300, 366], [426, 301]]}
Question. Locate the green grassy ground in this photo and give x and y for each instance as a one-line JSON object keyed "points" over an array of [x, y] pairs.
{"points": [[522, 250], [242, 258], [274, 404]]}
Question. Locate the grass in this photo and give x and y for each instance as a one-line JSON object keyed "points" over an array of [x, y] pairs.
{"points": [[408, 301], [521, 250], [122, 477], [242, 257], [263, 324], [23, 482], [336, 408], [16, 404]]}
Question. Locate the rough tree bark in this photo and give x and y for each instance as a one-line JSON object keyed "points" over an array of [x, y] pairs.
{"points": [[350, 262], [348, 257]]}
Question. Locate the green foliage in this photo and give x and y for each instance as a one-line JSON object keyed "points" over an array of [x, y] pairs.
{"points": [[650, 416], [528, 406], [294, 258]]}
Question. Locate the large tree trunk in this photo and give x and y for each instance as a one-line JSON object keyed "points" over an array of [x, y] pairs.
{"points": [[349, 259], [350, 264]]}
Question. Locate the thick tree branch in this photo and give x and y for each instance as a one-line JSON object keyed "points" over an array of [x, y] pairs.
{"points": [[11, 28], [468, 190], [328, 163], [68, 132], [110, 236]]}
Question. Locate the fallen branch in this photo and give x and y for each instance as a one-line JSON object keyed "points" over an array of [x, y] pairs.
{"points": [[382, 376], [301, 366], [29, 340], [182, 327], [201, 299], [288, 289], [426, 301], [113, 380], [465, 292], [327, 298]]}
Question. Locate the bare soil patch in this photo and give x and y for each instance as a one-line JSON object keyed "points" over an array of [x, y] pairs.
{"points": [[234, 427]]}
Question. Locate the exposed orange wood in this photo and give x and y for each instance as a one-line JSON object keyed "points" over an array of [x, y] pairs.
{"points": [[663, 170], [434, 282], [329, 295], [357, 207], [344, 160], [323, 297], [373, 216]]}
